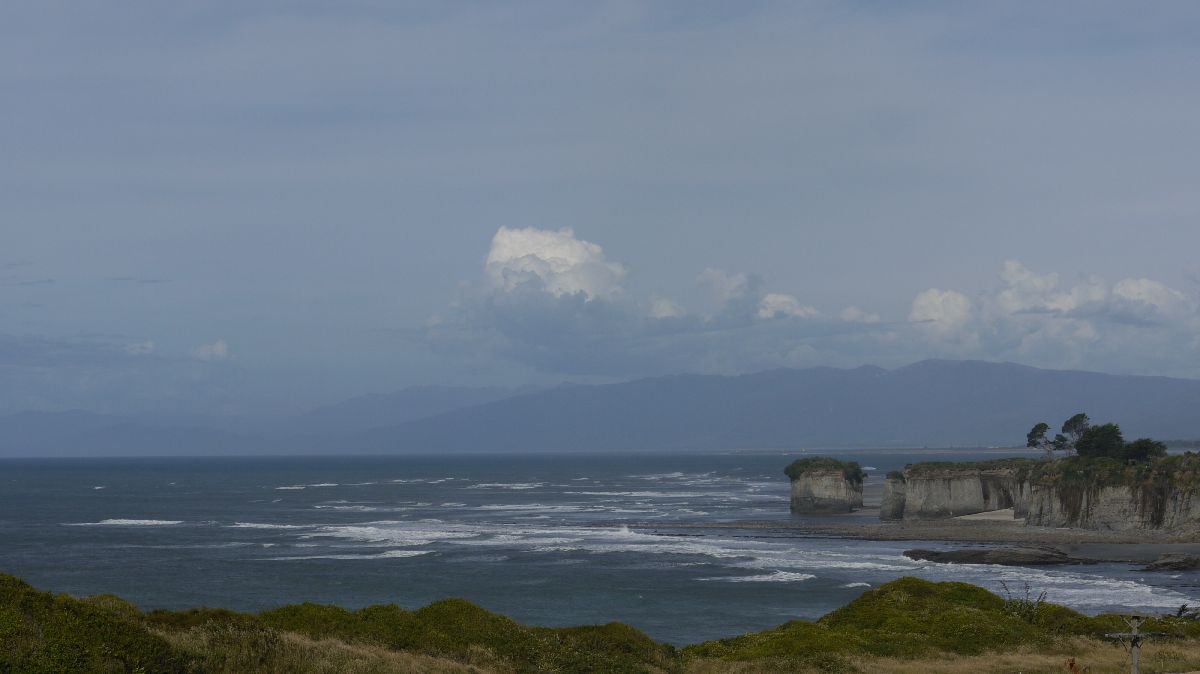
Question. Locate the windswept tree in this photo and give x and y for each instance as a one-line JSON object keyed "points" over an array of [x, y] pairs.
{"points": [[1066, 442], [1036, 439], [1105, 441], [1072, 430]]}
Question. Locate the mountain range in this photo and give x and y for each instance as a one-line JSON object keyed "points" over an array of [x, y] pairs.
{"points": [[934, 403]]}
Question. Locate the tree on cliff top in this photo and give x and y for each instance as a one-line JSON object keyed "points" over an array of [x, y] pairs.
{"points": [[1079, 436], [1066, 441], [1104, 440]]}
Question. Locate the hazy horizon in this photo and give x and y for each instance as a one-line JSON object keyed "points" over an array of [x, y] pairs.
{"points": [[253, 209]]}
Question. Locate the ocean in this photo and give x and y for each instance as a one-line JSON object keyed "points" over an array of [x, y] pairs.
{"points": [[544, 539]]}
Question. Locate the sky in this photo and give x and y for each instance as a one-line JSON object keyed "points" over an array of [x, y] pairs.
{"points": [[255, 207]]}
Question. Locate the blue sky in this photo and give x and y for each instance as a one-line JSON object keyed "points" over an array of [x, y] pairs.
{"points": [[247, 207]]}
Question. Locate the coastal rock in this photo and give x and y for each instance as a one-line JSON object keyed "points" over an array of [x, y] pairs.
{"points": [[1001, 556], [825, 491], [1115, 508], [934, 491], [892, 506], [822, 485], [1174, 561]]}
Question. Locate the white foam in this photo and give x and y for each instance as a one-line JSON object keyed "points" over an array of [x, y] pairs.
{"points": [[294, 486], [518, 486], [776, 577], [644, 494], [388, 554], [856, 585], [264, 525], [126, 523]]}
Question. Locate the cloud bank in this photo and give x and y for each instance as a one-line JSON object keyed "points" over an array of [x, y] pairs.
{"points": [[553, 302]]}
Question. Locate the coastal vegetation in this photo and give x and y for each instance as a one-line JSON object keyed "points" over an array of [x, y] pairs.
{"points": [[850, 470], [905, 625]]}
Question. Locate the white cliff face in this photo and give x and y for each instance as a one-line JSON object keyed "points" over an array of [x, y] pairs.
{"points": [[957, 492], [1112, 508], [825, 491], [894, 492], [932, 493]]}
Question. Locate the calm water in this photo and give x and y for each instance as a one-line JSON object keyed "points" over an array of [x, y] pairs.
{"points": [[538, 538]]}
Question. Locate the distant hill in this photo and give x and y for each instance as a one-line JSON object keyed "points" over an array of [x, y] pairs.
{"points": [[387, 409], [79, 433], [931, 403]]}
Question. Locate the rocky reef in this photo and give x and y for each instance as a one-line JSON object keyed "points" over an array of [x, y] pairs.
{"points": [[825, 485], [1076, 492]]}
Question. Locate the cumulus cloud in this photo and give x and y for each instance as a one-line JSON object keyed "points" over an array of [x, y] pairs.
{"points": [[554, 261], [855, 315], [661, 307], [1026, 291], [212, 352], [777, 305], [726, 287], [943, 310], [552, 302]]}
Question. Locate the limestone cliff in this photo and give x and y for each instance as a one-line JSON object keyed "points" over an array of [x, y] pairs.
{"points": [[1113, 507], [824, 485], [1083, 493], [892, 505], [936, 490]]}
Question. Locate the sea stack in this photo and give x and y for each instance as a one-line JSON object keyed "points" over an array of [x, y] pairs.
{"points": [[894, 487], [821, 485]]}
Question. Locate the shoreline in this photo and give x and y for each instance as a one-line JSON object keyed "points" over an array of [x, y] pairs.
{"points": [[1083, 544]]}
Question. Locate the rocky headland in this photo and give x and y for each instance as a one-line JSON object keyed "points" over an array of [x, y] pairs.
{"points": [[824, 485], [1099, 494]]}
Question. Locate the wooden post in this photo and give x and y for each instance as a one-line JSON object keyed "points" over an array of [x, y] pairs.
{"points": [[1134, 636], [1135, 644]]}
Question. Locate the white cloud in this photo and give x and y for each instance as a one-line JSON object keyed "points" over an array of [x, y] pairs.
{"points": [[856, 315], [661, 307], [554, 261], [140, 348], [726, 287], [212, 352], [582, 320], [1165, 301], [776, 305], [944, 310], [1026, 291]]}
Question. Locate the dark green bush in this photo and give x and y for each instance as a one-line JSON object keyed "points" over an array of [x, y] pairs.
{"points": [[850, 469]]}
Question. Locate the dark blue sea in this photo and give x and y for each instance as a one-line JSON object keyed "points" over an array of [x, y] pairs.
{"points": [[543, 539]]}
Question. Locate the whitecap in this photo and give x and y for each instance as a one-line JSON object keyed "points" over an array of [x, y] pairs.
{"points": [[848, 585], [776, 577], [126, 523], [517, 486], [264, 525], [387, 554]]}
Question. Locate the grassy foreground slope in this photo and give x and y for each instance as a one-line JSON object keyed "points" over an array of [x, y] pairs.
{"points": [[908, 625]]}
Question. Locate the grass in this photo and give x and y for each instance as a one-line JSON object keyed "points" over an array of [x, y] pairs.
{"points": [[907, 625], [851, 470], [1022, 466]]}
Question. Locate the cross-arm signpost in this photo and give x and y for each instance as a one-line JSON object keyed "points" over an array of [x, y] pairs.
{"points": [[1134, 637]]}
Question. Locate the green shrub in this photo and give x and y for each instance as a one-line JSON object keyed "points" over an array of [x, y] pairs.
{"points": [[908, 617], [850, 469], [46, 633]]}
